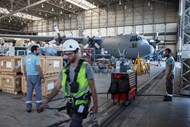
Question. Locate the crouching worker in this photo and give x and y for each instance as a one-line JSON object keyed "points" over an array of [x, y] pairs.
{"points": [[77, 83]]}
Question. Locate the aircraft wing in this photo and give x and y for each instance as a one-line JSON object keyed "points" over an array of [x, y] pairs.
{"points": [[31, 37], [39, 38]]}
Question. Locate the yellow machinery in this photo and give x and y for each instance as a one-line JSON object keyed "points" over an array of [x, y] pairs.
{"points": [[141, 66]]}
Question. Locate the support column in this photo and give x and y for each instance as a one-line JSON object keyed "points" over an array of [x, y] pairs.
{"points": [[185, 37], [80, 24]]}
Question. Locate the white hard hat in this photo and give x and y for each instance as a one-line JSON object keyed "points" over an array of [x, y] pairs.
{"points": [[70, 45]]}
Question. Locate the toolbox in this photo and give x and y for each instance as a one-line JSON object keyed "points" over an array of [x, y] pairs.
{"points": [[123, 86]]}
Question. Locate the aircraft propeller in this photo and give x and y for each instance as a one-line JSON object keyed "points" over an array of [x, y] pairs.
{"points": [[91, 43], [60, 39]]}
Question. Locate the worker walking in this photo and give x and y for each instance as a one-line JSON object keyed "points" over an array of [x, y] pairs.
{"points": [[34, 78], [170, 74], [77, 83], [159, 59]]}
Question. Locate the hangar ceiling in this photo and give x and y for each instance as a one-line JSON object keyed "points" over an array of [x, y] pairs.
{"points": [[16, 14]]}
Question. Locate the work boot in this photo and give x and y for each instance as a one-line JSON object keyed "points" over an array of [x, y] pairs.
{"points": [[28, 110], [38, 107], [167, 98], [29, 107]]}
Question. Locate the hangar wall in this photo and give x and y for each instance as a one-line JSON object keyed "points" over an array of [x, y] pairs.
{"points": [[138, 16]]}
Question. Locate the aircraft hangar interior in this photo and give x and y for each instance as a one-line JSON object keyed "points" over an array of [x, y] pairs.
{"points": [[94, 63]]}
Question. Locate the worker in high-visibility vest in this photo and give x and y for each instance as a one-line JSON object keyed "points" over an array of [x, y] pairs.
{"points": [[77, 83]]}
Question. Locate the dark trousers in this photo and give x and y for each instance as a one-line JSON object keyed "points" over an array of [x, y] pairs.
{"points": [[34, 82], [170, 85], [76, 120]]}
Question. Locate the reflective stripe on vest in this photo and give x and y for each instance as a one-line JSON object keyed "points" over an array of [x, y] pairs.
{"points": [[82, 81]]}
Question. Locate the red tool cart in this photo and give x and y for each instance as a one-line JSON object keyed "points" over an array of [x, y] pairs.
{"points": [[123, 87]]}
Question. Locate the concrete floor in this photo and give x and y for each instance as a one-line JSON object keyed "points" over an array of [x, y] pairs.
{"points": [[151, 112]]}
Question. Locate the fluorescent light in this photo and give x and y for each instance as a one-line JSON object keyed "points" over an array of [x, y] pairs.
{"points": [[19, 14], [26, 16], [3, 10], [82, 4]]}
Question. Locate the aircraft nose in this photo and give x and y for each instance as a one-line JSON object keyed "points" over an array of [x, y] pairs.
{"points": [[146, 50]]}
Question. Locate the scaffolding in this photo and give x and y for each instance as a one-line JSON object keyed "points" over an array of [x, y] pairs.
{"points": [[184, 36]]}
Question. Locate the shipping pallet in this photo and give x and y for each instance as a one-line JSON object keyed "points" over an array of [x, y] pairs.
{"points": [[10, 91], [10, 73], [51, 73]]}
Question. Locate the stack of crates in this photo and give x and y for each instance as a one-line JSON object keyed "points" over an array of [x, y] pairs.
{"points": [[51, 67], [10, 79], [88, 54]]}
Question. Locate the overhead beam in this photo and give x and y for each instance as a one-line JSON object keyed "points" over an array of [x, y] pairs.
{"points": [[103, 2], [19, 10], [166, 3], [44, 11], [62, 8]]}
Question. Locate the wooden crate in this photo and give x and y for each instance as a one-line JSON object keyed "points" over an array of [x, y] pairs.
{"points": [[46, 87], [49, 64], [49, 84], [10, 64], [11, 83]]}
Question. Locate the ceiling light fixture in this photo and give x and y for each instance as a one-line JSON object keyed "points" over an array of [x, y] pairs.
{"points": [[148, 3], [119, 2], [52, 9], [40, 13], [125, 7], [61, 12], [61, 2], [45, 14], [42, 5]]}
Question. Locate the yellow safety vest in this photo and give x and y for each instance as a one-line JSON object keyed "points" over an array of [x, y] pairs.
{"points": [[83, 84]]}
